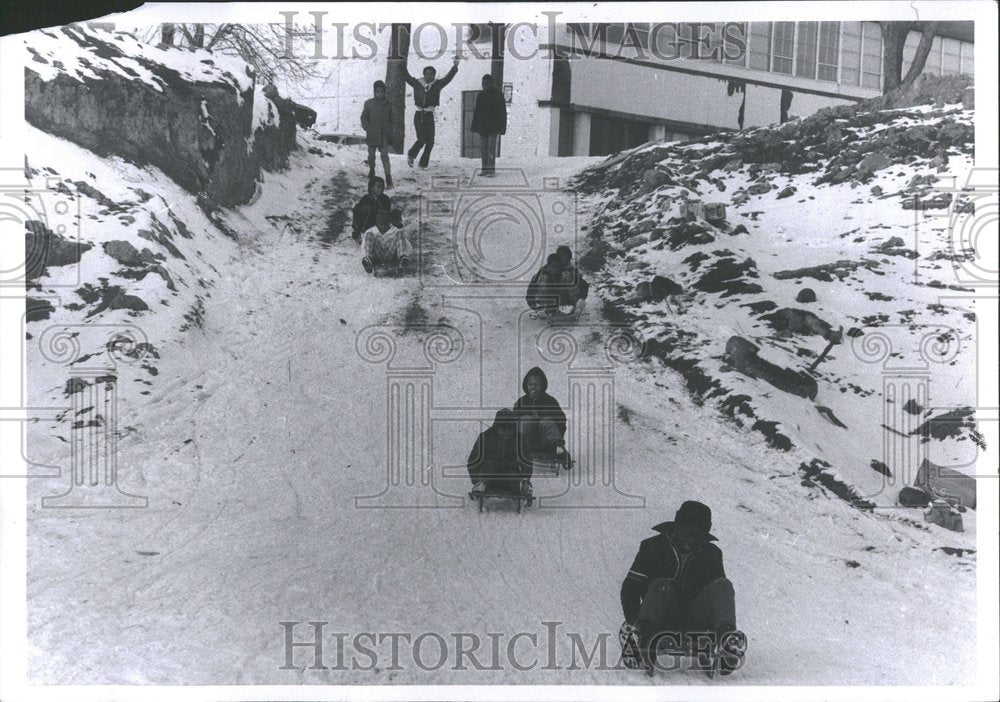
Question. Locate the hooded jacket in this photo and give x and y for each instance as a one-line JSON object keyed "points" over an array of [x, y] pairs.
{"points": [[492, 457], [428, 94], [543, 406], [658, 557], [490, 115]]}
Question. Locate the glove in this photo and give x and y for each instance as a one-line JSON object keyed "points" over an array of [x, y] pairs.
{"points": [[560, 450]]}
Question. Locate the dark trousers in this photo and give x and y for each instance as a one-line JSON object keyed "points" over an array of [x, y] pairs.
{"points": [[501, 475], [384, 150], [423, 123], [488, 152], [664, 617]]}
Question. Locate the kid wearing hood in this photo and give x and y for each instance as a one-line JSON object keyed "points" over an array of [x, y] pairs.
{"points": [[541, 421]]}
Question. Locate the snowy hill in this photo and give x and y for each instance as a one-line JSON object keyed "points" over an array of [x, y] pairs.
{"points": [[251, 425], [832, 235]]}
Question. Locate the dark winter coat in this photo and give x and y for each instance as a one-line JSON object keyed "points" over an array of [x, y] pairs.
{"points": [[543, 406], [376, 120], [539, 282], [428, 94], [490, 115], [658, 557], [492, 457], [366, 208]]}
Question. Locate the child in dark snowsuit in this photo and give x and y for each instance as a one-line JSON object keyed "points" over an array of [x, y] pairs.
{"points": [[541, 423], [376, 120], [366, 208], [489, 121], [677, 588], [493, 465]]}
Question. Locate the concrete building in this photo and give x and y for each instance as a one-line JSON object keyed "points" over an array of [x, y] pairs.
{"points": [[594, 89]]}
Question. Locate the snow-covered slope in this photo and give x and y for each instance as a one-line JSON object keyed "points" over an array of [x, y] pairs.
{"points": [[821, 244], [263, 424]]}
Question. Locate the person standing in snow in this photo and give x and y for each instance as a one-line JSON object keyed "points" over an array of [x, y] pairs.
{"points": [[489, 121], [541, 424], [493, 462], [368, 206], [426, 98], [387, 244], [376, 120], [677, 586]]}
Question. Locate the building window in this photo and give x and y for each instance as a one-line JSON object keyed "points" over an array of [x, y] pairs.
{"points": [[850, 53], [829, 51], [871, 56], [640, 34], [933, 65], [609, 135], [968, 65], [951, 57], [734, 51], [616, 32], [759, 46], [782, 47], [805, 50]]}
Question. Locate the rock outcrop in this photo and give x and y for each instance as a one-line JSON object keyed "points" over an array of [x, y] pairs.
{"points": [[193, 115]]}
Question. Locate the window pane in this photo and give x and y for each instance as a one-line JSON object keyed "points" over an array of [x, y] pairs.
{"points": [[805, 66], [871, 56], [951, 62], [641, 33], [666, 41], [933, 65], [781, 49], [734, 52], [759, 46], [967, 63], [829, 50], [850, 54]]}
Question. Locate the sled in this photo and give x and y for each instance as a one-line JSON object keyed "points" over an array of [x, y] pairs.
{"points": [[708, 662], [520, 500], [550, 463]]}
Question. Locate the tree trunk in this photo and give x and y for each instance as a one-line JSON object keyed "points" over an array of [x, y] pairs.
{"points": [[167, 31], [923, 50], [395, 83], [893, 41], [198, 41]]}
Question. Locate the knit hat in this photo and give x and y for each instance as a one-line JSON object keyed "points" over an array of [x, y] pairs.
{"points": [[696, 514]]}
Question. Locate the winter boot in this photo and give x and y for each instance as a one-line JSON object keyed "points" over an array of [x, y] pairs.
{"points": [[368, 264], [526, 489], [388, 182], [732, 652]]}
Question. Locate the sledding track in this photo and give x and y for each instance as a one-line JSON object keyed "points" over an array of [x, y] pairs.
{"points": [[255, 521]]}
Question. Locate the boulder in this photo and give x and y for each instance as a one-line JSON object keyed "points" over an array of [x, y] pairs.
{"points": [[742, 355], [643, 291], [806, 295], [637, 240], [795, 321], [44, 248], [787, 191], [913, 497], [876, 190], [661, 287], [944, 515], [759, 188], [875, 161]]}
